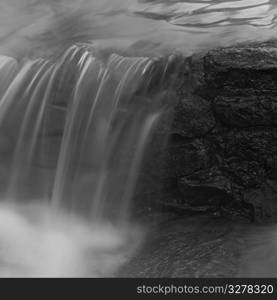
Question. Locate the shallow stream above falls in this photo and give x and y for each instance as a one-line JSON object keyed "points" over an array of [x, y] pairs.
{"points": [[139, 27]]}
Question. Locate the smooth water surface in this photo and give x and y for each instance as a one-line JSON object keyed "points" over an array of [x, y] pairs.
{"points": [[141, 26]]}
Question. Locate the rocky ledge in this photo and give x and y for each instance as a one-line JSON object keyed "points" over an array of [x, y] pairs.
{"points": [[222, 151]]}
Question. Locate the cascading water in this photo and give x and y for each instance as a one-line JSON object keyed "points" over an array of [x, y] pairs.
{"points": [[75, 127], [78, 128]]}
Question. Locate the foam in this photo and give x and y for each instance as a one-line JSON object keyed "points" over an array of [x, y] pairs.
{"points": [[35, 242]]}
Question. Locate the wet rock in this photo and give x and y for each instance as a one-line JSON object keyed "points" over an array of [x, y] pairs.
{"points": [[257, 144], [225, 144], [246, 174], [186, 157], [193, 118], [242, 57], [263, 201], [207, 187], [246, 108]]}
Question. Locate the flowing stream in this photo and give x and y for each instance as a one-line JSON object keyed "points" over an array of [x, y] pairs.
{"points": [[77, 116]]}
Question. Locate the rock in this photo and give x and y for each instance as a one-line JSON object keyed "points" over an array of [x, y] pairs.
{"points": [[246, 174], [224, 134], [193, 118], [246, 109], [242, 57], [263, 201], [186, 157], [252, 144], [208, 187], [241, 83]]}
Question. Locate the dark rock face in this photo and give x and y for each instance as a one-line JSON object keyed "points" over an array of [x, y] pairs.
{"points": [[223, 146], [205, 187], [193, 118]]}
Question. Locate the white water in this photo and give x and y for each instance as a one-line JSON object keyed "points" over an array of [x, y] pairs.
{"points": [[35, 242], [68, 181]]}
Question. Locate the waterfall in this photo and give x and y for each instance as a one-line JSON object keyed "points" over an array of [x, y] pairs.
{"points": [[76, 130], [104, 130]]}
